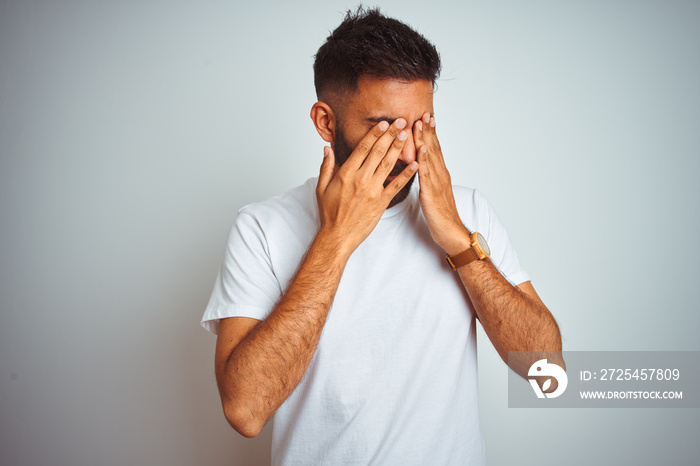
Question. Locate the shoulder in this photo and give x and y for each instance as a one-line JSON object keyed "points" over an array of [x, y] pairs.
{"points": [[298, 205], [478, 215], [476, 212], [279, 226], [472, 205], [469, 195], [464, 194]]}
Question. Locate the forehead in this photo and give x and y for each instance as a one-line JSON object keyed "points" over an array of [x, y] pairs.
{"points": [[382, 98]]}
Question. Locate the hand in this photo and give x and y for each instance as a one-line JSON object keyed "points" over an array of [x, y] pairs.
{"points": [[351, 198], [436, 196]]}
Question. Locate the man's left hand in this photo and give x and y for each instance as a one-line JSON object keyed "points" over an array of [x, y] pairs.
{"points": [[436, 197]]}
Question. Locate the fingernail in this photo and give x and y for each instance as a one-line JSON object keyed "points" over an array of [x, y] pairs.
{"points": [[420, 125], [402, 136], [326, 151], [432, 122], [401, 123], [383, 125], [426, 118], [424, 149], [414, 166]]}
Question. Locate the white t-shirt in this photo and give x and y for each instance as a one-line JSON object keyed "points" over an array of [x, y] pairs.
{"points": [[394, 377]]}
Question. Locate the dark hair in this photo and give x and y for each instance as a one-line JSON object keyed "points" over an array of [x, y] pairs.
{"points": [[368, 43]]}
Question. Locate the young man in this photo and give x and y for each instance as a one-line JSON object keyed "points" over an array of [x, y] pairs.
{"points": [[335, 308]]}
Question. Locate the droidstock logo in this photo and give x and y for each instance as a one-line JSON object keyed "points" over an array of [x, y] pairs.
{"points": [[542, 368]]}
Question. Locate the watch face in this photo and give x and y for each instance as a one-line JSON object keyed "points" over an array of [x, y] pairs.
{"points": [[482, 243]]}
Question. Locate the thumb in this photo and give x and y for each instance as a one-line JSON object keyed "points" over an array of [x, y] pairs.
{"points": [[327, 166]]}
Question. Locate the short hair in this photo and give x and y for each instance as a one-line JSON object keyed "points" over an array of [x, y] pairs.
{"points": [[367, 43]]}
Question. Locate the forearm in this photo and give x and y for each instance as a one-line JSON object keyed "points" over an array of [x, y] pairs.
{"points": [[266, 366], [512, 319]]}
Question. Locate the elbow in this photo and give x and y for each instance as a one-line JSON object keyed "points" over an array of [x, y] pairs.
{"points": [[247, 430], [242, 421]]}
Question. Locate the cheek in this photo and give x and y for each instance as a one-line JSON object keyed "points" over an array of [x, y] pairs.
{"points": [[355, 135], [353, 131]]}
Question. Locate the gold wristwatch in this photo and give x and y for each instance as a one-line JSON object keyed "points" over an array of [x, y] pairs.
{"points": [[478, 250]]}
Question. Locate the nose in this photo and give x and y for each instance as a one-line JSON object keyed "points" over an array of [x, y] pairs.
{"points": [[408, 153]]}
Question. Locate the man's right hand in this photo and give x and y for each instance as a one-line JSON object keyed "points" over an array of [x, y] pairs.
{"points": [[260, 363], [351, 198]]}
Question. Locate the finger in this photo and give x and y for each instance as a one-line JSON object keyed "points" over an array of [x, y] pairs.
{"points": [[430, 139], [418, 132], [326, 174], [425, 173], [433, 134], [422, 155], [389, 159], [429, 134], [400, 181], [427, 128], [424, 132], [387, 143], [359, 154]]}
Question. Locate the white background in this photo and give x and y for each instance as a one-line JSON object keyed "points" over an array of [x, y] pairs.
{"points": [[131, 133]]}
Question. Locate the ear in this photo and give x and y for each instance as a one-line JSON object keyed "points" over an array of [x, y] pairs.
{"points": [[324, 120]]}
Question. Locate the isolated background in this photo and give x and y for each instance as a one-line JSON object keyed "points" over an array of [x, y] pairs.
{"points": [[131, 132]]}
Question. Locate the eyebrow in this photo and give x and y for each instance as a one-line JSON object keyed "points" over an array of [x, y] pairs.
{"points": [[387, 118]]}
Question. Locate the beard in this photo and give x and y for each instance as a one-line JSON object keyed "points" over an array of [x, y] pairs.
{"points": [[342, 151]]}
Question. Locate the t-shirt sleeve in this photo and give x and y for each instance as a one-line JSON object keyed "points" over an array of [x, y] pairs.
{"points": [[503, 254], [246, 285]]}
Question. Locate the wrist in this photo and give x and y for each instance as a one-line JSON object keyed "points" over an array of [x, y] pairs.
{"points": [[457, 242], [334, 245], [477, 251]]}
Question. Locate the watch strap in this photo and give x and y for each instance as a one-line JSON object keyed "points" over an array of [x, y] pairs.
{"points": [[463, 258], [472, 253]]}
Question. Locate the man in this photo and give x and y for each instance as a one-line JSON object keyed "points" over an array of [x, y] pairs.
{"points": [[335, 308]]}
